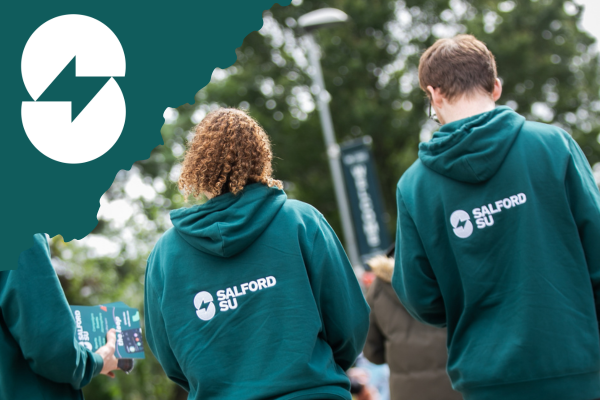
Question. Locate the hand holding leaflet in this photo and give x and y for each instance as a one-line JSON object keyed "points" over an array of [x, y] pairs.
{"points": [[94, 322], [108, 354], [113, 331]]}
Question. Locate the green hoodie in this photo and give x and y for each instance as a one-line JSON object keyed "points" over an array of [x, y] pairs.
{"points": [[39, 356], [252, 297], [498, 239]]}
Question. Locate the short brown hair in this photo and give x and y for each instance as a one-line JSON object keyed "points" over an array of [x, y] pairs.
{"points": [[229, 151], [458, 66]]}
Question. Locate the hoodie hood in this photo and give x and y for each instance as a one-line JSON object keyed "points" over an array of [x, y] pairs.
{"points": [[472, 149], [227, 224]]}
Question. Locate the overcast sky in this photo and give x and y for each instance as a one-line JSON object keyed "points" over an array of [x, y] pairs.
{"points": [[591, 16]]}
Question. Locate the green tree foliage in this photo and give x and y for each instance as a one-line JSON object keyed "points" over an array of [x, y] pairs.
{"points": [[370, 67], [549, 69]]}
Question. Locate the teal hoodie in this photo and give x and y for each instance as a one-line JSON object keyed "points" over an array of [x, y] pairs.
{"points": [[499, 240], [39, 356], [251, 296]]}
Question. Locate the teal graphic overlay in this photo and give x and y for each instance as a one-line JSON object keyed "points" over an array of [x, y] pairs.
{"points": [[170, 49]]}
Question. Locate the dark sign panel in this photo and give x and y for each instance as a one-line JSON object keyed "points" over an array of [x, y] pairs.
{"points": [[365, 198]]}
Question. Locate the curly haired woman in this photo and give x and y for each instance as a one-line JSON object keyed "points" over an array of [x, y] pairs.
{"points": [[250, 295]]}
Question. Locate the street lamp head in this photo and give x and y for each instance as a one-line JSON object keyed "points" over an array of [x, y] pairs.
{"points": [[323, 17]]}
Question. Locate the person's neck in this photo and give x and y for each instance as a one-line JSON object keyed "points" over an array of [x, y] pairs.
{"points": [[466, 107]]}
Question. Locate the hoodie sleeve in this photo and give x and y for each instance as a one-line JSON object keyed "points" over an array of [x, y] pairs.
{"points": [[342, 306], [38, 317], [413, 279], [584, 201], [154, 324]]}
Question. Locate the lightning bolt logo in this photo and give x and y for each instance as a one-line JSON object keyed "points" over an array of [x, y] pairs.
{"points": [[461, 224], [77, 109], [205, 308], [78, 90], [204, 305]]}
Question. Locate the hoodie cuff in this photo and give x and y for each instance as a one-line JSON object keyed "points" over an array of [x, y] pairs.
{"points": [[98, 364]]}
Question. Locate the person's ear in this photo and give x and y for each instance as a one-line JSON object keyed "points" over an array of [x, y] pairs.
{"points": [[497, 90], [435, 96]]}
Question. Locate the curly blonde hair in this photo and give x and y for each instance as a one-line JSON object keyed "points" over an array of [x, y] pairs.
{"points": [[229, 151]]}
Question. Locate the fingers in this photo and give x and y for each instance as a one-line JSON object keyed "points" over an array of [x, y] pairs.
{"points": [[108, 354], [111, 339], [111, 336]]}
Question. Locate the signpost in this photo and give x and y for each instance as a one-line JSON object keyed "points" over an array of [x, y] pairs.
{"points": [[309, 22], [365, 198]]}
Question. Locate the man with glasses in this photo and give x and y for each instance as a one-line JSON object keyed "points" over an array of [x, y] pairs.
{"points": [[498, 239]]}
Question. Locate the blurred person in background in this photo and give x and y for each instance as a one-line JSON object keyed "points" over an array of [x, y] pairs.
{"points": [[498, 232], [416, 353], [379, 377], [359, 384], [40, 357], [250, 295]]}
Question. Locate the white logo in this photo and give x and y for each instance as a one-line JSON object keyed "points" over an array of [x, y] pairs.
{"points": [[228, 298], [87, 345], [205, 308], [48, 124], [461, 222], [484, 215]]}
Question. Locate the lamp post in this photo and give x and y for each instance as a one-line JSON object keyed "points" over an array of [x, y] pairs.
{"points": [[309, 22]]}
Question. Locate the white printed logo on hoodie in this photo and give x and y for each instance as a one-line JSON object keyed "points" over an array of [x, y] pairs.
{"points": [[205, 308], [461, 224], [227, 298], [483, 216]]}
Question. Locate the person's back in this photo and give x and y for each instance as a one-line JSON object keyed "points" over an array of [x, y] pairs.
{"points": [[251, 296], [39, 356], [499, 221], [415, 352]]}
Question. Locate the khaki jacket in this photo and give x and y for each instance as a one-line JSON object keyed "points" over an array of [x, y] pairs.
{"points": [[416, 353]]}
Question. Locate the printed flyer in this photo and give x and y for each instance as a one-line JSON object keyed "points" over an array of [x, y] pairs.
{"points": [[92, 323]]}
